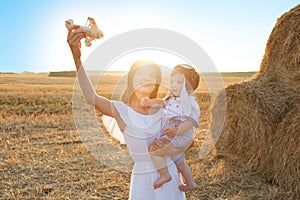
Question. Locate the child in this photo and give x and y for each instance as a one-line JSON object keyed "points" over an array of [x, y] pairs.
{"points": [[181, 114]]}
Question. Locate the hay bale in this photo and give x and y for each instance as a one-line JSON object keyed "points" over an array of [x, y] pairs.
{"points": [[283, 46], [285, 151], [252, 115], [281, 61], [259, 111]]}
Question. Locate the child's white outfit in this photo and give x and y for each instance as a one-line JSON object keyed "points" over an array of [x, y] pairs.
{"points": [[177, 110]]}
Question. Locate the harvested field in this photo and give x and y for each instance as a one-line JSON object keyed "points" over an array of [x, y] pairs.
{"points": [[42, 156]]}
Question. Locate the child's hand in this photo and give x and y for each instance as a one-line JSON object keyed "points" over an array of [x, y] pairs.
{"points": [[145, 101], [171, 132], [155, 103]]}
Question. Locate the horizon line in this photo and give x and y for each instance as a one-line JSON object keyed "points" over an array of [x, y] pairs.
{"points": [[111, 71]]}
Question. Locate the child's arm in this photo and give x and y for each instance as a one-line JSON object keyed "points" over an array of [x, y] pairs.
{"points": [[172, 131], [157, 103]]}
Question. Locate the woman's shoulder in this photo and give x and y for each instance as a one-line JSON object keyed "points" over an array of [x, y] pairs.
{"points": [[119, 103], [120, 107]]}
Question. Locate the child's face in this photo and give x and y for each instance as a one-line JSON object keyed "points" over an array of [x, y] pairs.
{"points": [[176, 84]]}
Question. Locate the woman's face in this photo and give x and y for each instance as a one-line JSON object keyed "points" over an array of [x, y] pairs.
{"points": [[176, 84], [144, 80]]}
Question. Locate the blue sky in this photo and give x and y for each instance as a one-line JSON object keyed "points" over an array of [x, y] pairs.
{"points": [[233, 32]]}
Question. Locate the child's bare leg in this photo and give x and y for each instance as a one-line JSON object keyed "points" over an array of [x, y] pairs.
{"points": [[159, 162], [161, 167], [187, 174]]}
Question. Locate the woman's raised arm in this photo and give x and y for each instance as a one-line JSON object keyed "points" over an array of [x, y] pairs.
{"points": [[102, 104]]}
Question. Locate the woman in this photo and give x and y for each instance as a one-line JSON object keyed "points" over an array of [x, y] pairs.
{"points": [[139, 124]]}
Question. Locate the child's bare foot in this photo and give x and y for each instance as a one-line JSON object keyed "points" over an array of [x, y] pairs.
{"points": [[162, 180], [185, 187]]}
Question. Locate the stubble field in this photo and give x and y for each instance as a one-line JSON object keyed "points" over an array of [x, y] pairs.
{"points": [[42, 156]]}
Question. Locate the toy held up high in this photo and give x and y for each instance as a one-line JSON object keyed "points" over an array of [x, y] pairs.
{"points": [[91, 29]]}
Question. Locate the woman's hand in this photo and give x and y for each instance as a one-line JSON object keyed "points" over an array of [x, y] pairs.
{"points": [[157, 145], [73, 39], [171, 132]]}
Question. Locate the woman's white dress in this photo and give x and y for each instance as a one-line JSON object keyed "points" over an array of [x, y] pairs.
{"points": [[139, 134]]}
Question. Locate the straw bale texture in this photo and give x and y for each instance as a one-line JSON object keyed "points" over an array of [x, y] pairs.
{"points": [[285, 151], [261, 126]]}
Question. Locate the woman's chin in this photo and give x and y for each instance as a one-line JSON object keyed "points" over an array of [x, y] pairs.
{"points": [[146, 88]]}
